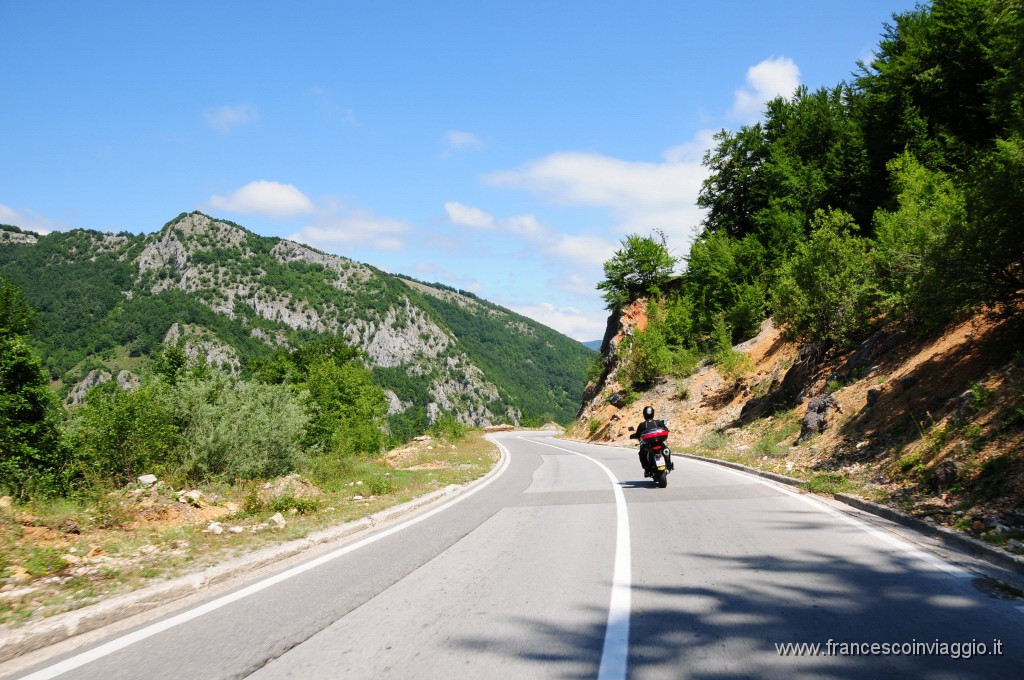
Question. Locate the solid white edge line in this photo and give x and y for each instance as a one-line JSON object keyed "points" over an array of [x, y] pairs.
{"points": [[120, 643], [893, 541], [615, 651]]}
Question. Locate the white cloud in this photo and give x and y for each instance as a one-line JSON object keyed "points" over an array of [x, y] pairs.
{"points": [[526, 227], [468, 216], [770, 79], [227, 118], [261, 197], [336, 224], [642, 196], [584, 248], [28, 220], [692, 151], [579, 325], [457, 140]]}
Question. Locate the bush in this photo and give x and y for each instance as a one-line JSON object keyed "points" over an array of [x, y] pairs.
{"points": [[447, 427], [32, 460], [911, 242], [346, 408], [647, 359], [238, 430]]}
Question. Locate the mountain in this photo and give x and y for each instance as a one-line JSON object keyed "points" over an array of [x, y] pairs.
{"points": [[593, 344], [110, 301]]}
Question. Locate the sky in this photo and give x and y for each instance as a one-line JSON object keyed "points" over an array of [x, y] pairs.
{"points": [[502, 148]]}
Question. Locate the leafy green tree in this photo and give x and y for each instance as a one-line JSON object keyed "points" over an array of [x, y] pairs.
{"points": [[826, 292], [32, 461], [349, 407], [924, 91], [170, 363], [727, 277], [640, 267], [119, 435], [911, 243], [985, 254], [346, 407], [734, 190]]}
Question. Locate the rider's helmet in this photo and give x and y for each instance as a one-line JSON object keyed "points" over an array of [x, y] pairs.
{"points": [[648, 413]]}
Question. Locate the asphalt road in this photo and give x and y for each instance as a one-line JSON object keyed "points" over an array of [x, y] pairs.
{"points": [[568, 564]]}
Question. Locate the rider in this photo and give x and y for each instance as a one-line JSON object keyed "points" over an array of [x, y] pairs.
{"points": [[648, 423]]}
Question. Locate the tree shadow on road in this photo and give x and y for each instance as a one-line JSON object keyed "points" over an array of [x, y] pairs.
{"points": [[721, 616]]}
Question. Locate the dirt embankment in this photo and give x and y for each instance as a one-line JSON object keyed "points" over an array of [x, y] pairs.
{"points": [[934, 426]]}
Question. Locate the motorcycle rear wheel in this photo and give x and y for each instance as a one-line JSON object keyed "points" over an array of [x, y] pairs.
{"points": [[661, 478]]}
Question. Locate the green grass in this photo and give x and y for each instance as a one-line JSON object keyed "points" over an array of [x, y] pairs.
{"points": [[714, 441]]}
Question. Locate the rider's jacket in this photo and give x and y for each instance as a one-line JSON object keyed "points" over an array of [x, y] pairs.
{"points": [[645, 425]]}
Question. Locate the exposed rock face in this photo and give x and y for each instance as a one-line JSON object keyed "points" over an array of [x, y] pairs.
{"points": [[400, 336], [200, 342], [348, 270], [620, 326], [799, 374], [127, 380], [16, 237], [92, 379]]}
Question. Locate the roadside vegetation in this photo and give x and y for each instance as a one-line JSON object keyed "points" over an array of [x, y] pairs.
{"points": [[61, 553]]}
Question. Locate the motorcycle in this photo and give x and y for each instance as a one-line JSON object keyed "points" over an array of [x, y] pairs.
{"points": [[659, 457]]}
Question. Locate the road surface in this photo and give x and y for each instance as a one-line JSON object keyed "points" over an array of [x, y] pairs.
{"points": [[566, 563]]}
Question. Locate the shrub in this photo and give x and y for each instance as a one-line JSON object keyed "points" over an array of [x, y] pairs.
{"points": [[911, 242], [43, 561], [448, 427], [238, 430], [647, 359], [714, 441], [32, 460]]}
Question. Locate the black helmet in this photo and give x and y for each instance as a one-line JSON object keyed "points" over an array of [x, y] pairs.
{"points": [[648, 412]]}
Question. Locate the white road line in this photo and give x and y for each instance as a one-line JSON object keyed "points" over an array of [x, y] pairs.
{"points": [[120, 643], [897, 543], [615, 652]]}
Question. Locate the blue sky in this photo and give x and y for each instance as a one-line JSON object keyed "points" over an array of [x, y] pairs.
{"points": [[504, 148]]}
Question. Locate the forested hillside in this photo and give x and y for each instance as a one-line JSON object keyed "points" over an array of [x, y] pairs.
{"points": [[895, 199], [107, 302]]}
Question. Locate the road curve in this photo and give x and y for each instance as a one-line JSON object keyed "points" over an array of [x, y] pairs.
{"points": [[568, 564]]}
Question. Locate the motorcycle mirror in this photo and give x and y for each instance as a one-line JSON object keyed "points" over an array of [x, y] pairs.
{"points": [[631, 428]]}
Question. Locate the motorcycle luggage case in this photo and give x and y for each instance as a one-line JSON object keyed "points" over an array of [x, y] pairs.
{"points": [[655, 435]]}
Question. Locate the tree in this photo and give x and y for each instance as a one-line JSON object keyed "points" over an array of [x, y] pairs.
{"points": [[912, 241], [734, 191], [826, 292], [346, 407], [32, 461], [640, 267]]}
